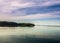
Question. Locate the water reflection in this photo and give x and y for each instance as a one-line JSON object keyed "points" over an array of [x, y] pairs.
{"points": [[37, 34], [27, 39]]}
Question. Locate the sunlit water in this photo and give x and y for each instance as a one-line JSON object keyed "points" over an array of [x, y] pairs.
{"points": [[38, 31]]}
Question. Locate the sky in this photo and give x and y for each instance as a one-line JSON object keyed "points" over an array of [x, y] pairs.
{"points": [[30, 10]]}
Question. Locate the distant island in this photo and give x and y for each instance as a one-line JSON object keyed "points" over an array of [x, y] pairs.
{"points": [[14, 24]]}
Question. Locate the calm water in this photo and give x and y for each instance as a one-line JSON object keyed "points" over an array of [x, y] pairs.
{"points": [[30, 34]]}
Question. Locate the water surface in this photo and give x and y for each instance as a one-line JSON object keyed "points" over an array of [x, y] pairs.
{"points": [[32, 34]]}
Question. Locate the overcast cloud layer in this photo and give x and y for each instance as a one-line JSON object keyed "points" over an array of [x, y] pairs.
{"points": [[29, 9]]}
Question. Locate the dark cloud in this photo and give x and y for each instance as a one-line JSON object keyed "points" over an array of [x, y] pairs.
{"points": [[40, 9]]}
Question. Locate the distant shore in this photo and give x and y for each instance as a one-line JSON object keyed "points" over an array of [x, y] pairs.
{"points": [[14, 24], [49, 25]]}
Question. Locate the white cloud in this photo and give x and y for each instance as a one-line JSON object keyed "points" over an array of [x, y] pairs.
{"points": [[36, 16], [9, 6], [21, 5]]}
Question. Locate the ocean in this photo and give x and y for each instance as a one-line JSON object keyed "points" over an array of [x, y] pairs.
{"points": [[36, 34]]}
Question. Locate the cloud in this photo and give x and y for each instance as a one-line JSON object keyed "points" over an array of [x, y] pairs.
{"points": [[7, 7], [29, 9], [38, 9], [36, 16]]}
